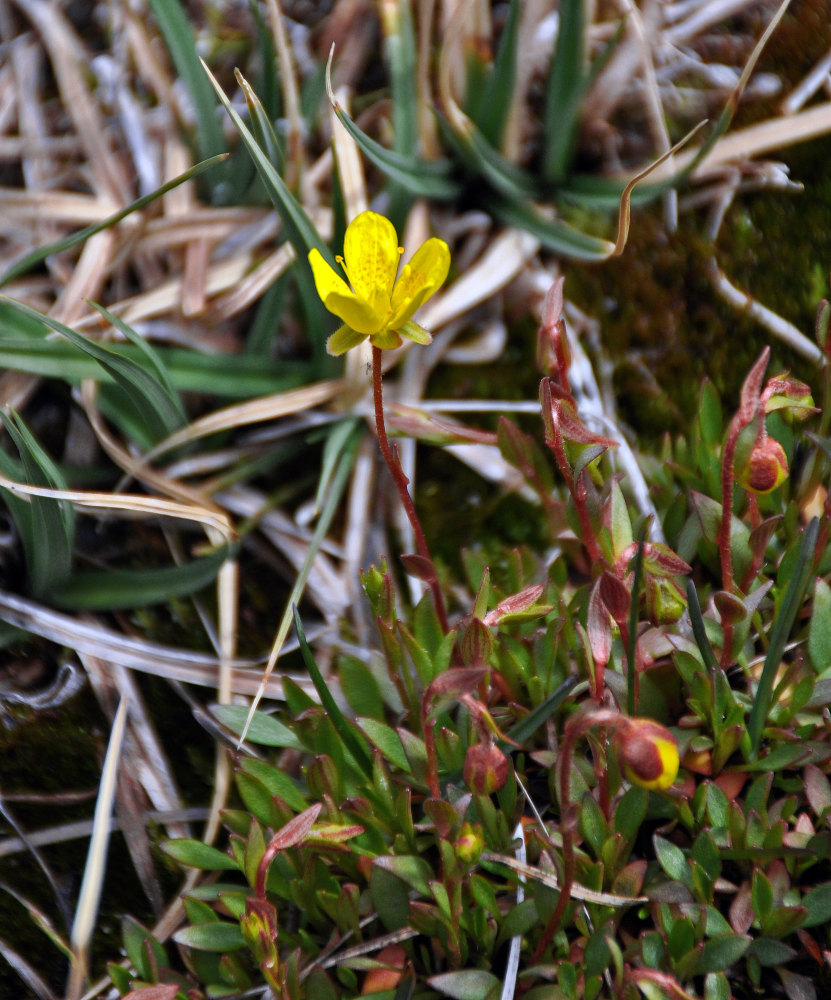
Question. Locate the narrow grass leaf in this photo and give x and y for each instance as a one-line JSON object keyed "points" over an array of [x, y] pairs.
{"points": [[178, 36], [423, 178], [699, 631], [349, 734], [565, 88], [526, 727], [122, 589], [490, 112], [554, 234], [149, 399], [36, 257], [779, 636], [46, 526]]}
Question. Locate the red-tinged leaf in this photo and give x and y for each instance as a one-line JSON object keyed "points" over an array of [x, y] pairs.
{"points": [[741, 909], [333, 833], [660, 560], [797, 987], [296, 829], [409, 421], [476, 645], [615, 595], [418, 566], [515, 604], [573, 429], [453, 682], [599, 627], [752, 388], [162, 991], [818, 790]]}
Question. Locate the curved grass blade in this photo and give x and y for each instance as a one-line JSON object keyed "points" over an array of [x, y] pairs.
{"points": [[699, 631], [534, 719], [179, 39], [779, 636], [354, 743], [399, 50], [158, 411], [565, 88], [120, 589], [423, 178], [37, 256], [46, 526], [299, 229], [554, 234]]}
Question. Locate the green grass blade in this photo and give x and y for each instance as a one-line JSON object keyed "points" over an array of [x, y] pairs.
{"points": [[554, 234], [301, 233], [699, 631], [122, 589], [353, 742], [481, 159], [564, 91], [46, 526], [423, 178], [791, 604], [400, 54], [263, 130], [149, 356], [490, 111], [178, 37], [36, 257], [526, 727], [153, 405]]}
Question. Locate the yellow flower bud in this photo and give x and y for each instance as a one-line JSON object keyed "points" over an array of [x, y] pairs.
{"points": [[648, 753], [766, 468]]}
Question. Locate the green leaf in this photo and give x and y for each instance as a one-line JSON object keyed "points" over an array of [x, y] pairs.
{"points": [[277, 782], [360, 688], [387, 740], [263, 730], [467, 984], [195, 854], [819, 631], [817, 902], [218, 937], [720, 953], [410, 868], [709, 414], [390, 897], [769, 951], [116, 589], [527, 726], [672, 860]]}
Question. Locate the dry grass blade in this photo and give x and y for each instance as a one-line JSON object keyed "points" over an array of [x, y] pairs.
{"points": [[90, 894], [549, 878]]}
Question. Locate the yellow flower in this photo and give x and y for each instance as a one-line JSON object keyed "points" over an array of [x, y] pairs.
{"points": [[648, 753], [377, 306]]}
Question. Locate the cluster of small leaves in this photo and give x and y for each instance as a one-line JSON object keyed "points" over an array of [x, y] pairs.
{"points": [[403, 858]]}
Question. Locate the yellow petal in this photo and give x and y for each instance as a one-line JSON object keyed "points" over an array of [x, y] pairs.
{"points": [[371, 251], [423, 276], [343, 340], [327, 280]]}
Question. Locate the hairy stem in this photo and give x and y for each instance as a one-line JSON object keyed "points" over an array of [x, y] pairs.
{"points": [[401, 484]]}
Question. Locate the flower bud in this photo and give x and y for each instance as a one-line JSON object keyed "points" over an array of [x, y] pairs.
{"points": [[766, 467], [469, 844], [665, 601], [486, 768], [648, 753]]}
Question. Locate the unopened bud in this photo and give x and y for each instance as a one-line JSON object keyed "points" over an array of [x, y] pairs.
{"points": [[766, 467], [648, 753], [486, 768], [469, 844], [665, 601]]}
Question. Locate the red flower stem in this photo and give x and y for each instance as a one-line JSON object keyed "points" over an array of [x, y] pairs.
{"points": [[401, 483]]}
